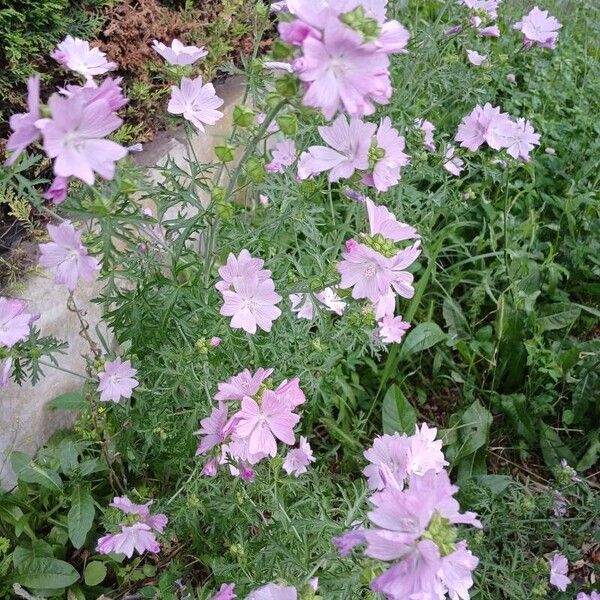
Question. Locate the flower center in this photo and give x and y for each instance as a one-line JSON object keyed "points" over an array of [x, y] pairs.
{"points": [[442, 533]]}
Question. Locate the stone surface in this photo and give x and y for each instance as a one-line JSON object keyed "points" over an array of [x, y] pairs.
{"points": [[25, 422]]}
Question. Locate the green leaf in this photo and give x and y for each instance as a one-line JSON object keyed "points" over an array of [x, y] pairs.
{"points": [[398, 413], [339, 434], [26, 470], [497, 484], [456, 321], [69, 401], [553, 448], [590, 458], [476, 422], [558, 316], [422, 337], [46, 574], [94, 573], [81, 515]]}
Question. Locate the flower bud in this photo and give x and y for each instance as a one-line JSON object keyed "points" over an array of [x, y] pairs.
{"points": [[243, 116], [225, 153], [288, 124], [287, 86], [255, 169]]}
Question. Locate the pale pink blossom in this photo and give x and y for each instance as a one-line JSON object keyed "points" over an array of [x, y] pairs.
{"points": [[178, 53], [298, 459], [212, 430], [559, 569], [520, 139], [274, 591], [283, 156], [73, 136], [392, 329], [475, 58], [490, 31], [280, 6], [251, 303], [242, 265], [290, 392], [402, 280], [456, 571], [210, 467], [590, 596], [197, 103], [15, 323], [78, 56], [382, 221], [424, 452], [484, 124], [263, 199], [490, 7], [67, 257], [304, 304], [23, 125], [263, 423], [427, 127], [272, 127], [57, 192], [453, 164], [137, 537], [215, 341], [348, 149], [540, 28], [158, 522], [226, 592], [393, 38], [346, 542], [511, 78], [109, 90], [241, 385], [385, 305], [117, 380], [388, 450]]}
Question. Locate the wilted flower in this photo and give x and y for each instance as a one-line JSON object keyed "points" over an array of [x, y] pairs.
{"points": [[15, 323], [559, 569], [117, 380], [298, 459], [23, 125], [57, 192], [197, 103], [427, 127], [475, 58], [178, 53], [540, 28], [453, 164], [78, 56]]}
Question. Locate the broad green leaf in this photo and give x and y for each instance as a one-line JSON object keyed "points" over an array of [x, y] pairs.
{"points": [[94, 573], [398, 413], [46, 573], [26, 470], [456, 322], [495, 483], [590, 458], [339, 434], [558, 316], [81, 515], [476, 423], [422, 337], [69, 401], [38, 549], [553, 448]]}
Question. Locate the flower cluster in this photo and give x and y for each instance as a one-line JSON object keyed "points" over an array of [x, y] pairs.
{"points": [[413, 521], [483, 16], [375, 268], [137, 532], [248, 291], [344, 53], [249, 435]]}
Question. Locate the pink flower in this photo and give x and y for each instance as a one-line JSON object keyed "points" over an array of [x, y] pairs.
{"points": [[382, 221], [392, 329], [388, 450], [284, 155], [274, 591], [5, 369], [271, 128], [427, 127], [74, 137], [78, 56], [211, 428], [196, 102], [456, 571], [393, 38], [487, 124], [298, 459], [386, 172], [475, 58], [261, 424], [157, 522], [491, 31], [215, 341], [15, 323], [117, 381], [57, 192], [490, 7], [226, 592], [178, 54], [303, 304], [241, 266], [290, 392], [346, 542], [520, 139], [349, 148], [263, 199], [341, 71], [241, 385], [559, 569], [210, 467], [592, 596], [138, 537], [424, 452], [23, 125], [109, 90], [539, 27], [251, 303], [67, 257], [402, 280], [453, 164]]}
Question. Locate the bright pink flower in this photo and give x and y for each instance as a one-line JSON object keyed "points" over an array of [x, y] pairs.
{"points": [[559, 569], [15, 323], [348, 150], [78, 56], [453, 164], [211, 430], [346, 542], [424, 452], [57, 192], [138, 537], [388, 450], [157, 522], [274, 591], [284, 155], [520, 139], [23, 125], [117, 381], [67, 257], [392, 329], [261, 424], [251, 303], [197, 103], [487, 124], [475, 58], [427, 127], [342, 72], [382, 221], [241, 266], [491, 31], [178, 53], [226, 592], [241, 385], [74, 137], [5, 369], [298, 459], [539, 27], [386, 172]]}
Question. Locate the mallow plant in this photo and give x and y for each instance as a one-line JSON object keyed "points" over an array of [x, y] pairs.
{"points": [[241, 294]]}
